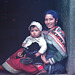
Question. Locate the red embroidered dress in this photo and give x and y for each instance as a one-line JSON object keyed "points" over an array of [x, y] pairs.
{"points": [[14, 66]]}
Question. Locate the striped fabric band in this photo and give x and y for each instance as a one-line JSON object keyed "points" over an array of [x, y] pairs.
{"points": [[58, 42], [51, 60], [57, 38], [9, 68]]}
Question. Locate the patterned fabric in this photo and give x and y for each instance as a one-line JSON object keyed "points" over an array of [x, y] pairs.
{"points": [[14, 66], [55, 37], [30, 52], [56, 50]]}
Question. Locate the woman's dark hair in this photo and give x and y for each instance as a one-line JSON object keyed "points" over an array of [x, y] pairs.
{"points": [[52, 12], [55, 15]]}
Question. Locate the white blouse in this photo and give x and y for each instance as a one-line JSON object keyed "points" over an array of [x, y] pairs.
{"points": [[40, 40]]}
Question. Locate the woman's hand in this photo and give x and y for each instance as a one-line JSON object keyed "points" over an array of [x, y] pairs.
{"points": [[44, 59]]}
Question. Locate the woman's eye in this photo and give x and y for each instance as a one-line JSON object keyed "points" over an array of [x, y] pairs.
{"points": [[50, 18], [46, 19], [31, 30]]}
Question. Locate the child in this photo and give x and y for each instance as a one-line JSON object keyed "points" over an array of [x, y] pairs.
{"points": [[33, 47]]}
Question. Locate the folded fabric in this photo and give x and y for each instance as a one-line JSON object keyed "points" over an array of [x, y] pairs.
{"points": [[26, 60]]}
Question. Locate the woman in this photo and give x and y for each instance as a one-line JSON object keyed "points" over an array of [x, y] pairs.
{"points": [[56, 52]]}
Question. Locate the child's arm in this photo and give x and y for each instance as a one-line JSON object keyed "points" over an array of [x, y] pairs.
{"points": [[43, 47], [23, 44]]}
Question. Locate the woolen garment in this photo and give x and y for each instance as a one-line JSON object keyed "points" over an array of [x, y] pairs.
{"points": [[56, 49], [14, 66]]}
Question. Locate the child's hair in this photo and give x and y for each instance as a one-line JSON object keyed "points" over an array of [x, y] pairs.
{"points": [[33, 26]]}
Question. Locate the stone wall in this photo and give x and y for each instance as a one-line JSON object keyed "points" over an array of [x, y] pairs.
{"points": [[68, 18], [72, 38]]}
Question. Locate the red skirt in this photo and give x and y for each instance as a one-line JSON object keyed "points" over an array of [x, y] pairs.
{"points": [[13, 65]]}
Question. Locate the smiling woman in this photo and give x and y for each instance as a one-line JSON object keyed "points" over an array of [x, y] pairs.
{"points": [[56, 49], [50, 21]]}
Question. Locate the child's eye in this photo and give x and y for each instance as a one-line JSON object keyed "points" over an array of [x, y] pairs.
{"points": [[36, 30]]}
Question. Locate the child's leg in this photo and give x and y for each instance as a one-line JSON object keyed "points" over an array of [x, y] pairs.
{"points": [[1, 68]]}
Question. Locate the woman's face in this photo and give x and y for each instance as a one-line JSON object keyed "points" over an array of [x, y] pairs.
{"points": [[50, 21]]}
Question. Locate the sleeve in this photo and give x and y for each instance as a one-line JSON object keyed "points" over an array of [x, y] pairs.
{"points": [[28, 41], [25, 40], [43, 46], [57, 38]]}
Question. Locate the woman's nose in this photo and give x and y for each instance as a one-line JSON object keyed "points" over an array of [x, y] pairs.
{"points": [[48, 21]]}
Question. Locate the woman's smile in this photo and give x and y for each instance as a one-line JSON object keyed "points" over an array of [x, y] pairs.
{"points": [[50, 21]]}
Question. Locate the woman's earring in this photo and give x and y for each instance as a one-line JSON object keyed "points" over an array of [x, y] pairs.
{"points": [[56, 21]]}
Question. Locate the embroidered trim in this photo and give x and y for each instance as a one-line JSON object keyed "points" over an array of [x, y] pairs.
{"points": [[50, 61], [56, 40], [53, 60], [60, 37], [9, 68], [59, 43]]}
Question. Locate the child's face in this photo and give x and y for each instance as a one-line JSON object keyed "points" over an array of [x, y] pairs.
{"points": [[35, 32]]}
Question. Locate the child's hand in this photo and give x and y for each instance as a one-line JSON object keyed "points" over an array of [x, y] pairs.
{"points": [[37, 54], [23, 44], [19, 54]]}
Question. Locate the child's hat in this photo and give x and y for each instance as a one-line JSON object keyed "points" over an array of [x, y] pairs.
{"points": [[37, 24]]}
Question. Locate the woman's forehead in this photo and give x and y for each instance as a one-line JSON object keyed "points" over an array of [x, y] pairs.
{"points": [[48, 16]]}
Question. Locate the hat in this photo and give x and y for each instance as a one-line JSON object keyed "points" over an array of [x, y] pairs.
{"points": [[37, 24]]}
